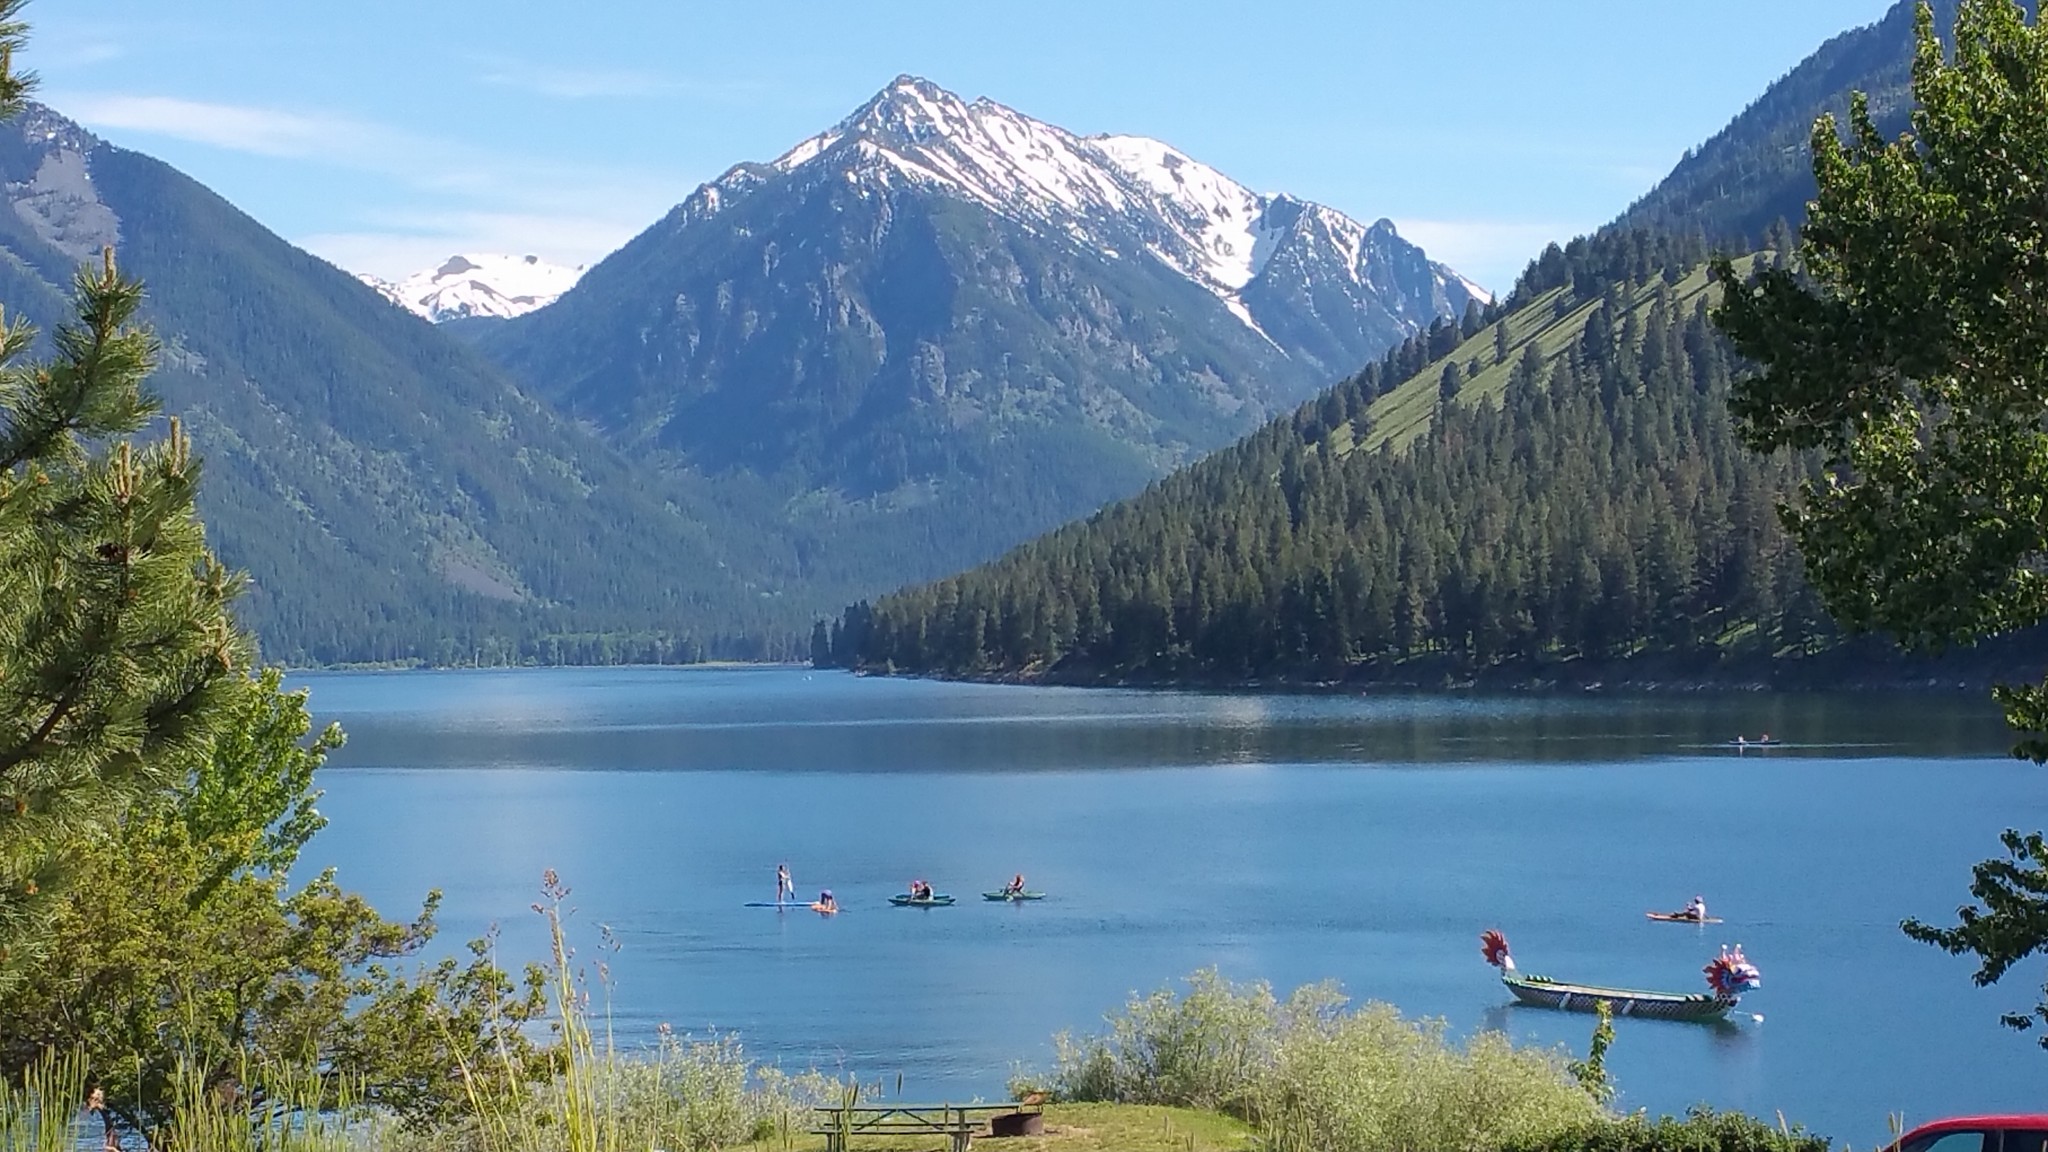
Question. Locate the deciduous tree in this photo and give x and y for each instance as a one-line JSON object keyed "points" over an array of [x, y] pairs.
{"points": [[1911, 352]]}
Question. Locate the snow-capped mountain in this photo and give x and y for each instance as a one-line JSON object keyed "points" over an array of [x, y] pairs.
{"points": [[463, 287], [1124, 196], [942, 327]]}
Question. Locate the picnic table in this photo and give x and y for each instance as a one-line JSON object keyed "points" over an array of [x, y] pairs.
{"points": [[959, 1123]]}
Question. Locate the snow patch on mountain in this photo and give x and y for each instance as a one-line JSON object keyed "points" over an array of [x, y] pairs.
{"points": [[1122, 195], [488, 285]]}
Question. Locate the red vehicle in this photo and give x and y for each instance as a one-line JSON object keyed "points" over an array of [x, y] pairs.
{"points": [[2015, 1133]]}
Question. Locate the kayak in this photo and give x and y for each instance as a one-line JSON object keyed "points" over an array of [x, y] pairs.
{"points": [[1680, 918], [906, 900], [1013, 897], [1753, 743]]}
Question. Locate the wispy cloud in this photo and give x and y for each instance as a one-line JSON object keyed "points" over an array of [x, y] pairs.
{"points": [[81, 54], [449, 197], [579, 84], [236, 127], [393, 245], [561, 82]]}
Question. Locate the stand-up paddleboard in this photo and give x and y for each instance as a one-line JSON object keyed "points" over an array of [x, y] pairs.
{"points": [[1680, 918], [785, 904]]}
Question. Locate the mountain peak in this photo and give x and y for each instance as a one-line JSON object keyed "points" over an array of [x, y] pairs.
{"points": [[479, 285], [1122, 196]]}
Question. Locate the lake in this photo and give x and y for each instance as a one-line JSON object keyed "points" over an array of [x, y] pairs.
{"points": [[1288, 838]]}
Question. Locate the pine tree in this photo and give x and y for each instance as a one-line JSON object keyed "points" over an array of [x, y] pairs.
{"points": [[116, 649]]}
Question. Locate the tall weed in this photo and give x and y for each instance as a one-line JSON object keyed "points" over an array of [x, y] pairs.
{"points": [[42, 1112]]}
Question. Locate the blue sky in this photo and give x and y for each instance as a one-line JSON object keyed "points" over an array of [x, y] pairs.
{"points": [[387, 134]]}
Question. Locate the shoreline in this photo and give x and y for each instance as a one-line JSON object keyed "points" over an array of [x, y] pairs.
{"points": [[1855, 668]]}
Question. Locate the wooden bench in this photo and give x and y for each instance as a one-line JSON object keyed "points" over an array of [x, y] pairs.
{"points": [[960, 1124]]}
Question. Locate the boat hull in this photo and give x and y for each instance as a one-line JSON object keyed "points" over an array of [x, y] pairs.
{"points": [[1543, 993], [1013, 897], [912, 902]]}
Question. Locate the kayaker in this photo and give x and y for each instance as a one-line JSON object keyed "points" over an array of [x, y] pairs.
{"points": [[1016, 886], [919, 890], [1697, 910], [785, 887]]}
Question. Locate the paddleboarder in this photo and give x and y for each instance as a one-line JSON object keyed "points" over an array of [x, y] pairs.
{"points": [[826, 905], [1697, 909], [785, 887]]}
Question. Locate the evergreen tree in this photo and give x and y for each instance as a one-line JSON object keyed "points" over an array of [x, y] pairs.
{"points": [[115, 643]]}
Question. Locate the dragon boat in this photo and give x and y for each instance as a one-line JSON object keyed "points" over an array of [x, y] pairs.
{"points": [[1729, 975]]}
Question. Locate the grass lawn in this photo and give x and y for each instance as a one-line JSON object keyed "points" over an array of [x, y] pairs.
{"points": [[1079, 1128]]}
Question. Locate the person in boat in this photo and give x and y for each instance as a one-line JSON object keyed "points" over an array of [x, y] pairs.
{"points": [[1016, 886], [1696, 909], [919, 890], [825, 902], [785, 887]]}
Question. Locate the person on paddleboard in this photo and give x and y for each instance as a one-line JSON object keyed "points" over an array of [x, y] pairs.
{"points": [[1016, 886], [785, 887], [825, 902], [1697, 909]]}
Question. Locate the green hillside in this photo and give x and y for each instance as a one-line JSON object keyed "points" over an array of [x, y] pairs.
{"points": [[1552, 321], [1582, 502]]}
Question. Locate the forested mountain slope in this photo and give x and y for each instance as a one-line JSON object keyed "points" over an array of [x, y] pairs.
{"points": [[391, 495], [1759, 169], [1582, 500]]}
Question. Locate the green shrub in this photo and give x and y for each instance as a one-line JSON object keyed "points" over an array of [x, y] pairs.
{"points": [[1206, 1049], [1312, 1074], [1376, 1081], [1702, 1130]]}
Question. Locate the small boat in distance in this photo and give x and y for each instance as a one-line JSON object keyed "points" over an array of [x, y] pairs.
{"points": [[906, 900], [1680, 918], [1013, 897], [1729, 975], [1763, 741]]}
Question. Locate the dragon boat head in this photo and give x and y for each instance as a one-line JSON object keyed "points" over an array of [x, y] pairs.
{"points": [[1494, 947], [1731, 974]]}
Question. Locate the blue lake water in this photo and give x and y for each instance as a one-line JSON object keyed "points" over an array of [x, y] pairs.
{"points": [[1285, 838]]}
